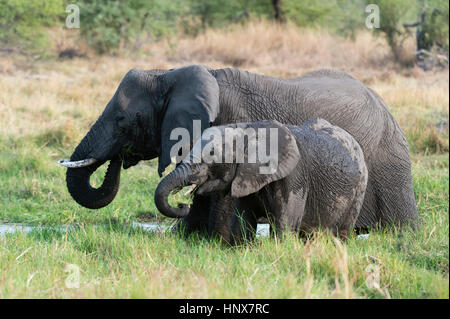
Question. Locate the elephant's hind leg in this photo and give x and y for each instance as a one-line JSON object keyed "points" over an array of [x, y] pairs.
{"points": [[389, 199], [395, 195], [348, 220]]}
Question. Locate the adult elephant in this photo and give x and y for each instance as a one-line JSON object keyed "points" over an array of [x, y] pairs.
{"points": [[137, 122]]}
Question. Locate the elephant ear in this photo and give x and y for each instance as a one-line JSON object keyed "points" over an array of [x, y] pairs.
{"points": [[191, 93], [285, 154]]}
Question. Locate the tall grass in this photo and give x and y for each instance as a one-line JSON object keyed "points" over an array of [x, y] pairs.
{"points": [[119, 262], [284, 48]]}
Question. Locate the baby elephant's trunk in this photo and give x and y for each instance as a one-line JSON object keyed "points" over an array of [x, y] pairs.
{"points": [[176, 179]]}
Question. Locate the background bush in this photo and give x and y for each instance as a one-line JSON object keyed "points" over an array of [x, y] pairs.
{"points": [[117, 26], [394, 14], [436, 24], [111, 25], [22, 23]]}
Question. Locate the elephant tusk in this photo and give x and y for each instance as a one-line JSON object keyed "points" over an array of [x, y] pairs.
{"points": [[190, 190], [77, 164]]}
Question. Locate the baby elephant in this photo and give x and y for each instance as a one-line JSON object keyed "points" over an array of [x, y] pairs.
{"points": [[299, 177]]}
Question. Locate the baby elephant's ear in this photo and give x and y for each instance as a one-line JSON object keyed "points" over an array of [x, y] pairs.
{"points": [[279, 159]]}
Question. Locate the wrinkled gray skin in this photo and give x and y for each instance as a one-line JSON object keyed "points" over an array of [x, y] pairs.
{"points": [[147, 105], [320, 180]]}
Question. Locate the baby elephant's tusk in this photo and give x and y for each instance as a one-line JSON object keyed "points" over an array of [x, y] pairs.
{"points": [[78, 164], [191, 189]]}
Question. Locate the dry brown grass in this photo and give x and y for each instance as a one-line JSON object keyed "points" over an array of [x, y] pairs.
{"points": [[281, 49], [48, 98]]}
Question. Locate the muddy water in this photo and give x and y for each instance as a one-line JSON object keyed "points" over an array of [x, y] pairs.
{"points": [[262, 229]]}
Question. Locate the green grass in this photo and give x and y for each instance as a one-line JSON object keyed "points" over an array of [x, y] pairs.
{"points": [[33, 188], [116, 260]]}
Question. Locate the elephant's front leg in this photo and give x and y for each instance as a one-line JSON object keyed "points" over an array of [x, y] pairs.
{"points": [[221, 214], [197, 220], [244, 223]]}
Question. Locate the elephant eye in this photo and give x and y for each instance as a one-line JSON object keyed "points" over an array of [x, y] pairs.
{"points": [[121, 122]]}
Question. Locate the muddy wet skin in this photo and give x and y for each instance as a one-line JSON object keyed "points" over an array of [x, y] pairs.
{"points": [[5, 229]]}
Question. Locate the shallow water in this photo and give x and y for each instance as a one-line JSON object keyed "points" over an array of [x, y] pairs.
{"points": [[17, 228], [261, 231]]}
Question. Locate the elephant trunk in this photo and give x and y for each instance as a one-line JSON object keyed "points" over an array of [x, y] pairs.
{"points": [[77, 179], [176, 179]]}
